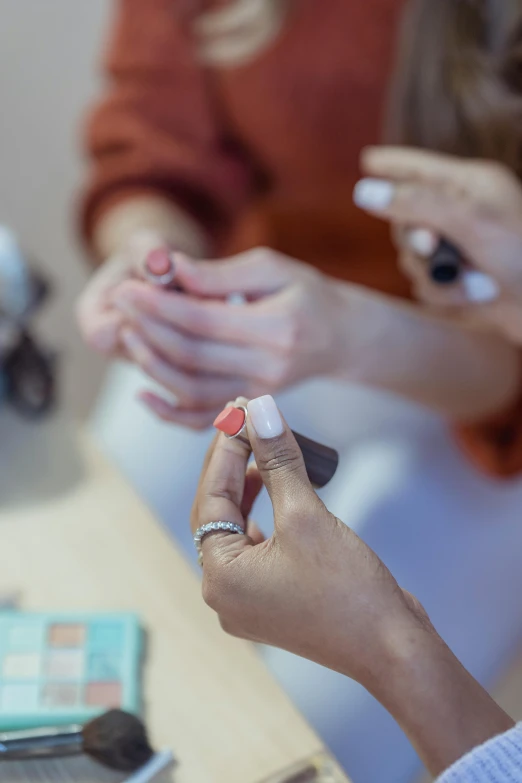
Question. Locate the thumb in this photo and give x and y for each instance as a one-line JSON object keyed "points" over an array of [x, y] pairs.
{"points": [[255, 273], [279, 459]]}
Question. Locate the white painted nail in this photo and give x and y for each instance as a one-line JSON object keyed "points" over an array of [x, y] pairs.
{"points": [[236, 299], [422, 241], [373, 194], [479, 287], [265, 417]]}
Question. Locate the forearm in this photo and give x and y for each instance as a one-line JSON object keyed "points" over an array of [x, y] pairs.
{"points": [[151, 214], [456, 370], [442, 709]]}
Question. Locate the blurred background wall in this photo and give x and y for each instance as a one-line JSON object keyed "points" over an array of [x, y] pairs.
{"points": [[49, 71]]}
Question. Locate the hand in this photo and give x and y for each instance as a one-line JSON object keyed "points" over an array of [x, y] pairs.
{"points": [[99, 320], [315, 589], [206, 350], [477, 205]]}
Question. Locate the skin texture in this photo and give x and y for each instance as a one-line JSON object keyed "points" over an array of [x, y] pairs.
{"points": [[296, 324], [475, 204], [314, 588]]}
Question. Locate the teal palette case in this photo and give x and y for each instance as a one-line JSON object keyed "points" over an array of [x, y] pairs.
{"points": [[57, 669]]}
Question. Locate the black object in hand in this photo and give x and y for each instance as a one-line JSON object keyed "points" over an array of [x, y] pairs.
{"points": [[445, 263]]}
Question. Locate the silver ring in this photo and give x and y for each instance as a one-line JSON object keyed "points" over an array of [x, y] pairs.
{"points": [[213, 527]]}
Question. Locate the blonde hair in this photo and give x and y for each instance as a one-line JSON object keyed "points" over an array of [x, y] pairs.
{"points": [[239, 32]]}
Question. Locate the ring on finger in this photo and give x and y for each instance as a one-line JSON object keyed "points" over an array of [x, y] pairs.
{"points": [[214, 527]]}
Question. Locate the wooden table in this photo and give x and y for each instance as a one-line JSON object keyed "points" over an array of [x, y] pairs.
{"points": [[73, 536]]}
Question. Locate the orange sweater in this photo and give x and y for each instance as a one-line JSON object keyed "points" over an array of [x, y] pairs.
{"points": [[263, 153]]}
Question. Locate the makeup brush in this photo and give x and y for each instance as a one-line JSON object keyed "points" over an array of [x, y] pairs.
{"points": [[116, 739]]}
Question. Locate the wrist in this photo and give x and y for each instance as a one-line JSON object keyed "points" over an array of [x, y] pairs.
{"points": [[439, 705]]}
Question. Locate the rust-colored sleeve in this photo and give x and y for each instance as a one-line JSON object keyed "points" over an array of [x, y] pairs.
{"points": [[495, 445], [157, 129]]}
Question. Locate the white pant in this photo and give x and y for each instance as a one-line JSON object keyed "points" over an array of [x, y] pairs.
{"points": [[450, 536]]}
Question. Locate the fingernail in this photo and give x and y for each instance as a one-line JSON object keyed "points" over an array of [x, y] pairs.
{"points": [[479, 287], [373, 194], [422, 241], [236, 299], [265, 417]]}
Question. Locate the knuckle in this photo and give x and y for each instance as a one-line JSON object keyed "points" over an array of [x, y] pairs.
{"points": [[217, 590], [188, 354], [289, 337], [286, 459], [261, 254], [198, 320], [210, 592], [229, 626]]}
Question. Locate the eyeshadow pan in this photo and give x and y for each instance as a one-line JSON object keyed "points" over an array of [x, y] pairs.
{"points": [[21, 666], [106, 636], [103, 668], [67, 635], [60, 694], [64, 664], [103, 694], [18, 698], [25, 637]]}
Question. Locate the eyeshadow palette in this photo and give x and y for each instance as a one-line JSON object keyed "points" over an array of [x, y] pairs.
{"points": [[57, 669]]}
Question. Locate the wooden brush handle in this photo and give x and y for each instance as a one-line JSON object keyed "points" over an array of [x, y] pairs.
{"points": [[321, 461]]}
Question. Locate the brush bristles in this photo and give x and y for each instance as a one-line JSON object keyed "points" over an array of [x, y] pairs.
{"points": [[117, 740]]}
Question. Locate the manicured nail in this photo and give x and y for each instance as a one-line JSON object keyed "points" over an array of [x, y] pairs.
{"points": [[479, 288], [422, 241], [373, 194], [265, 417], [236, 299]]}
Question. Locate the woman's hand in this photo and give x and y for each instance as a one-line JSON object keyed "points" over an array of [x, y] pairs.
{"points": [[206, 350], [315, 589], [99, 320], [477, 205]]}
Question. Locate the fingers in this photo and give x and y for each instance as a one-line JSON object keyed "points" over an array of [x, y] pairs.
{"points": [[199, 355], [279, 459], [416, 259], [193, 418], [416, 204], [219, 498], [100, 329], [404, 163], [255, 273], [214, 320], [193, 391], [433, 213], [253, 486]]}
